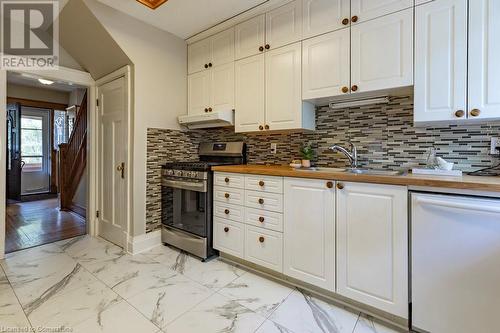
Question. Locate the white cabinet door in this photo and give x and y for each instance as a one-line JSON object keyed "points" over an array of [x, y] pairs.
{"points": [[322, 16], [222, 48], [222, 97], [369, 9], [250, 36], [249, 94], [440, 60], [199, 92], [264, 247], [199, 56], [283, 87], [326, 65], [372, 245], [229, 237], [284, 25], [484, 59], [309, 232], [382, 52]]}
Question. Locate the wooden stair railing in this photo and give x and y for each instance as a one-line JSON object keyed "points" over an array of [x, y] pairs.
{"points": [[73, 158]]}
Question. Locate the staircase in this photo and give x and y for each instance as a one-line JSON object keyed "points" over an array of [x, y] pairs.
{"points": [[73, 160]]}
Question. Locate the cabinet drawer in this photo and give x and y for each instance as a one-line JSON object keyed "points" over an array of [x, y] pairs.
{"points": [[264, 200], [229, 237], [264, 219], [264, 247], [229, 180], [229, 195], [228, 211], [263, 183]]}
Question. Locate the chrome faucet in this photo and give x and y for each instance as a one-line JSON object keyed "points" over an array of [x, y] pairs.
{"points": [[351, 155]]}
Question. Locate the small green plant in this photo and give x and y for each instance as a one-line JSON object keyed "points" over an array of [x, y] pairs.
{"points": [[307, 152]]}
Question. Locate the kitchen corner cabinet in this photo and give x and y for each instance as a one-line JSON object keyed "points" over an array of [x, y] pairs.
{"points": [[467, 35], [268, 92], [211, 52], [309, 231], [372, 245]]}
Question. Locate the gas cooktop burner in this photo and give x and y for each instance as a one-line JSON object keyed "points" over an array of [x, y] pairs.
{"points": [[193, 166]]}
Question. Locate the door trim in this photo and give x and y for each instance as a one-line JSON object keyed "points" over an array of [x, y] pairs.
{"points": [[67, 75], [124, 72]]}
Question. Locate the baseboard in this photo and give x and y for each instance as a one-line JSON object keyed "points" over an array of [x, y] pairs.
{"points": [[144, 242], [82, 211]]}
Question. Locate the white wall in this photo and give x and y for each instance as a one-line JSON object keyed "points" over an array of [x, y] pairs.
{"points": [[159, 85], [37, 94]]}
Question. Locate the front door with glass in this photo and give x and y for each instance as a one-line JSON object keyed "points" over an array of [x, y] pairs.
{"points": [[35, 150]]}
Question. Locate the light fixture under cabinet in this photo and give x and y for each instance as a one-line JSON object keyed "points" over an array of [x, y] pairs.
{"points": [[360, 102]]}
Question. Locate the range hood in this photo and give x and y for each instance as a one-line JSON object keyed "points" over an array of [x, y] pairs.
{"points": [[208, 120]]}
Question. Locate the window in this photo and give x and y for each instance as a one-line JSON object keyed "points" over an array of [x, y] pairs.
{"points": [[32, 143], [60, 133]]}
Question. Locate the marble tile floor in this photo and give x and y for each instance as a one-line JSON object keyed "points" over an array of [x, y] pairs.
{"points": [[87, 284]]}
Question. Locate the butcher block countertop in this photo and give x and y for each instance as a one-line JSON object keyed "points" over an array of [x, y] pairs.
{"points": [[464, 183]]}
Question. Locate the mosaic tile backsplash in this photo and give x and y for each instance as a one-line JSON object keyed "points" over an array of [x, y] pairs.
{"points": [[384, 134]]}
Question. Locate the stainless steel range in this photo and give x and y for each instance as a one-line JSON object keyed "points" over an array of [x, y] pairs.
{"points": [[187, 197]]}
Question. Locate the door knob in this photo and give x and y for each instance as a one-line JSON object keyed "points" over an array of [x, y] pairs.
{"points": [[475, 112], [121, 168], [345, 21], [459, 113]]}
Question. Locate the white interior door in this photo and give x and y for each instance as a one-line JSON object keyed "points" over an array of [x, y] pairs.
{"points": [[112, 165], [35, 150]]}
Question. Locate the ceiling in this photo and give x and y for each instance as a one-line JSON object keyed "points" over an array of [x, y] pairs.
{"points": [[184, 18], [32, 81]]}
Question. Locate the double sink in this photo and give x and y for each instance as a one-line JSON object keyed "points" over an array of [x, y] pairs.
{"points": [[357, 171]]}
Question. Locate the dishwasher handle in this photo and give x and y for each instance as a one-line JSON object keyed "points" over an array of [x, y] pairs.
{"points": [[459, 205]]}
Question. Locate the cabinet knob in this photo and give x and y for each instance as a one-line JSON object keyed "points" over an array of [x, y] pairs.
{"points": [[261, 201], [261, 239], [345, 90], [210, 64], [329, 184], [268, 46], [340, 186], [261, 219], [226, 211], [206, 65], [261, 49], [261, 183], [354, 19], [226, 195], [226, 229], [206, 109], [209, 109], [475, 112], [459, 113], [345, 21], [354, 88], [261, 127], [226, 180], [266, 127]]}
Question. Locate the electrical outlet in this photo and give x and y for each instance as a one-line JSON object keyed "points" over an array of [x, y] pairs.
{"points": [[274, 148], [495, 145]]}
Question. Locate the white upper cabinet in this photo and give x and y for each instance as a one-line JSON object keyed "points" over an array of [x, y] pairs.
{"points": [[484, 59], [222, 48], [441, 61], [382, 52], [326, 65], [284, 25], [249, 94], [322, 16], [283, 88], [222, 90], [309, 231], [199, 56], [250, 37], [210, 52], [364, 10], [199, 92], [372, 245]]}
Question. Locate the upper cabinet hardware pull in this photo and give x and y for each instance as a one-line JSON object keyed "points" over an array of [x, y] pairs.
{"points": [[261, 49], [345, 21], [210, 64], [261, 127], [268, 46], [206, 65], [354, 19], [267, 127], [206, 109]]}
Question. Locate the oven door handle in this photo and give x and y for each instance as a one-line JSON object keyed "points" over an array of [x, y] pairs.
{"points": [[185, 185]]}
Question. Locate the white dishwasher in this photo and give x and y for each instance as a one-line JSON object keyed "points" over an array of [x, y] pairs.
{"points": [[455, 251]]}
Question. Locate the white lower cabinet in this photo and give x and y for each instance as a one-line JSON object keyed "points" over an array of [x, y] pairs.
{"points": [[229, 237], [372, 245], [264, 247], [309, 231]]}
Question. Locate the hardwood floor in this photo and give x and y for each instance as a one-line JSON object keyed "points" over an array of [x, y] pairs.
{"points": [[39, 222]]}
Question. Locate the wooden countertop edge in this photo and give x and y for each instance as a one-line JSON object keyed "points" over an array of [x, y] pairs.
{"points": [[461, 183]]}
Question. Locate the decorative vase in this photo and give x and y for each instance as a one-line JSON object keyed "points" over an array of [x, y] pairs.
{"points": [[306, 163]]}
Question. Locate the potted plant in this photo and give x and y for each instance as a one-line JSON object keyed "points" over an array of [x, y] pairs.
{"points": [[307, 155]]}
